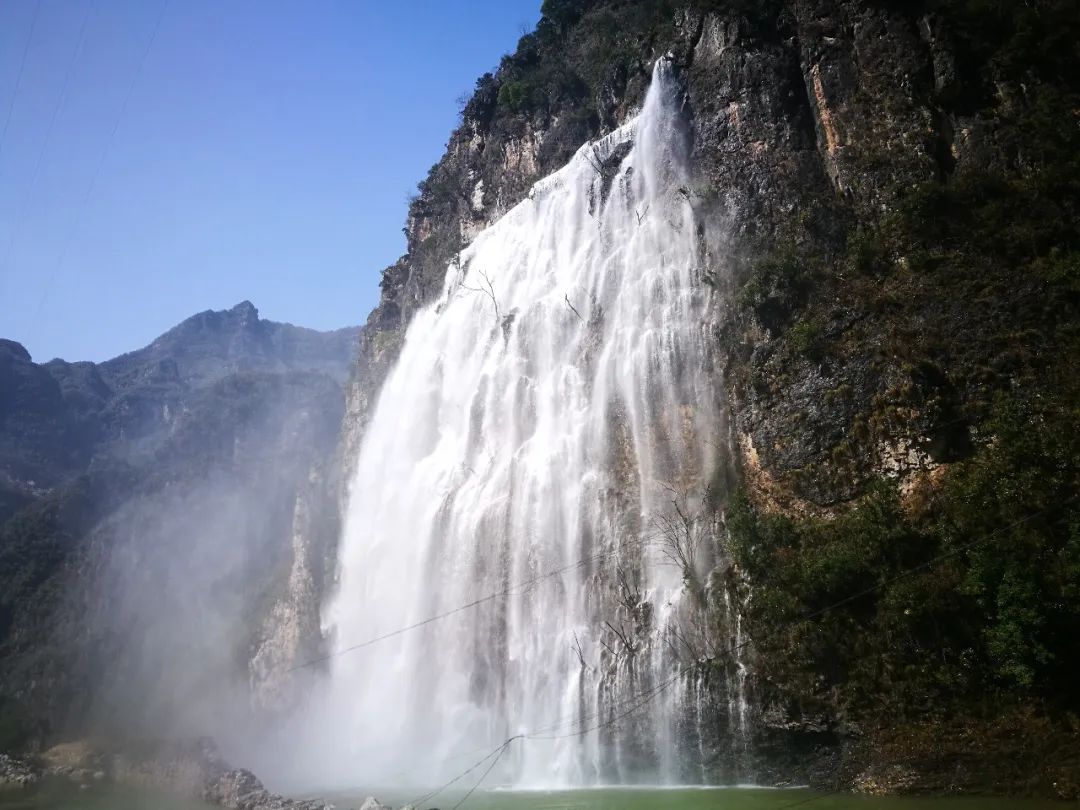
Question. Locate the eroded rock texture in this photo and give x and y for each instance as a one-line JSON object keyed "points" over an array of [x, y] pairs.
{"points": [[886, 197]]}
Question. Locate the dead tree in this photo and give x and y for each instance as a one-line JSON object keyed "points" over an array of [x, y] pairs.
{"points": [[595, 162], [679, 535], [578, 651], [486, 288], [624, 637]]}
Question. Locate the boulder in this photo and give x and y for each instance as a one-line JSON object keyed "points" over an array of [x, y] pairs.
{"points": [[241, 790], [16, 773], [72, 756]]}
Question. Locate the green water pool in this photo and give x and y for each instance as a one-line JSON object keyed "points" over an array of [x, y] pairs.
{"points": [[694, 799], [61, 797]]}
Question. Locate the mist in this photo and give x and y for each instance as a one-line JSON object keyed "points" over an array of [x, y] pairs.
{"points": [[177, 558], [184, 575]]}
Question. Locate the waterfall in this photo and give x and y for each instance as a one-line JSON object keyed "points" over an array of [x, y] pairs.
{"points": [[547, 414]]}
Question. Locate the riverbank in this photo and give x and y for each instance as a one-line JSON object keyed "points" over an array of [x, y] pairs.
{"points": [[190, 770], [107, 797], [930, 767]]}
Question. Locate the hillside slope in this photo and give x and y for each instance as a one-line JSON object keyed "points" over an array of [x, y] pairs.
{"points": [[151, 525]]}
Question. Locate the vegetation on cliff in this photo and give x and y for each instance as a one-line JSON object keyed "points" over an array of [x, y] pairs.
{"points": [[898, 185], [942, 520], [898, 188], [966, 590]]}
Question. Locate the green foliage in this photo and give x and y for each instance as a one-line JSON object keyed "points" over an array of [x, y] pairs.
{"points": [[1012, 40], [778, 285], [540, 87], [985, 218], [36, 541], [441, 187], [480, 106], [1026, 582], [902, 606], [866, 255], [563, 13], [972, 282], [514, 95], [962, 294], [805, 336]]}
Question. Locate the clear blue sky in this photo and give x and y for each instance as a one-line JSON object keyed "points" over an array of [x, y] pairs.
{"points": [[266, 152]]}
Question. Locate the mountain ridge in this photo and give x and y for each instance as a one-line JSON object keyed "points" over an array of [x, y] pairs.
{"points": [[82, 408], [169, 475]]}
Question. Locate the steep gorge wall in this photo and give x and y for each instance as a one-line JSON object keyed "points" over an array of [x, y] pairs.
{"points": [[800, 113], [886, 195]]}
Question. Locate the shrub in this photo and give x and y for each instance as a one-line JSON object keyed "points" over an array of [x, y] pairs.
{"points": [[978, 593]]}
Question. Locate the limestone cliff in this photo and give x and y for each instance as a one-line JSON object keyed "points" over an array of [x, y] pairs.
{"points": [[887, 199]]}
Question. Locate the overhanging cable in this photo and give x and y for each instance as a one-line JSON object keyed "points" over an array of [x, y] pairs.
{"points": [[18, 79], [509, 591], [647, 696], [58, 267], [48, 137]]}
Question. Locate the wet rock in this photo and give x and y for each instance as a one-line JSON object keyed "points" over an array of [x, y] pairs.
{"points": [[193, 769], [181, 768], [237, 788], [72, 756], [886, 780], [17, 773], [242, 790]]}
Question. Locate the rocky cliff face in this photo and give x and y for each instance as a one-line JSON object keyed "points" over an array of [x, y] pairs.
{"points": [[886, 197], [157, 513], [887, 200]]}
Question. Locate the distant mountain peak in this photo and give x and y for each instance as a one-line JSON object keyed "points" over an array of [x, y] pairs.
{"points": [[57, 416], [14, 348], [215, 343], [246, 311]]}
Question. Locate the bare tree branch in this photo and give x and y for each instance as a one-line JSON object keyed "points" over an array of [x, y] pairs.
{"points": [[679, 534], [595, 161], [623, 637], [580, 654], [572, 308], [487, 288]]}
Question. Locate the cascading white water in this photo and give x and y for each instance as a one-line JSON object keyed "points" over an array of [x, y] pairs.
{"points": [[543, 413]]}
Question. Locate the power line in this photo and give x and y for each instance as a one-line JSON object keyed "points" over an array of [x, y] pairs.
{"points": [[496, 752], [636, 701], [48, 136], [509, 591], [483, 776], [18, 80], [642, 698], [101, 160], [647, 696], [651, 693]]}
